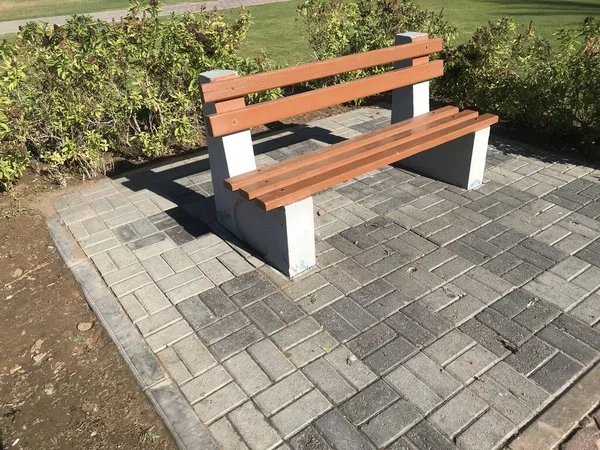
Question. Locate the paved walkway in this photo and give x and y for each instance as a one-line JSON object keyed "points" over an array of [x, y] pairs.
{"points": [[436, 318], [109, 16]]}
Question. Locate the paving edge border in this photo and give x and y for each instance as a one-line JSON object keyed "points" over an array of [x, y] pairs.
{"points": [[557, 421], [179, 417]]}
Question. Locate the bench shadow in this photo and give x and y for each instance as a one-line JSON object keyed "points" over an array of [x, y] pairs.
{"points": [[182, 180]]}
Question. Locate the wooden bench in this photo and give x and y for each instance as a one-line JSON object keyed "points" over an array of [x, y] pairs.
{"points": [[271, 208]]}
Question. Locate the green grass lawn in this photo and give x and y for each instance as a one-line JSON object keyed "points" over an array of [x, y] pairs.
{"points": [[276, 31], [29, 9]]}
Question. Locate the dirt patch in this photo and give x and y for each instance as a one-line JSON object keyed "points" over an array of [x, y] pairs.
{"points": [[62, 386]]}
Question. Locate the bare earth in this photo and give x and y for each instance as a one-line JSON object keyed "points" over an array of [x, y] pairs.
{"points": [[60, 388]]}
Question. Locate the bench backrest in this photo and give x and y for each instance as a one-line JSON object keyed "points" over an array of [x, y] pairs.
{"points": [[228, 94]]}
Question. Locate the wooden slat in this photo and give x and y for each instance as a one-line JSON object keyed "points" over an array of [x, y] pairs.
{"points": [[232, 88], [241, 181], [326, 163], [283, 108], [307, 187]]}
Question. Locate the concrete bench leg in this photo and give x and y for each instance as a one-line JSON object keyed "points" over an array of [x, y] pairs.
{"points": [[285, 237], [460, 162]]}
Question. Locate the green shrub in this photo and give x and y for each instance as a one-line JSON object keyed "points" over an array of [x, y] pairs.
{"points": [[72, 93], [337, 28], [518, 75], [13, 163]]}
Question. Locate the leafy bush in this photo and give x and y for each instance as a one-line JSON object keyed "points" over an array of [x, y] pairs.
{"points": [[13, 162], [71, 93], [337, 28], [518, 75]]}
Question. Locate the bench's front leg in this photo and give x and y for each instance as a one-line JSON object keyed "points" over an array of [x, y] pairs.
{"points": [[460, 162], [285, 236]]}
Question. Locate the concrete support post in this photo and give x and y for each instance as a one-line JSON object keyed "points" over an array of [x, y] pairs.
{"points": [[285, 236], [460, 162], [410, 101]]}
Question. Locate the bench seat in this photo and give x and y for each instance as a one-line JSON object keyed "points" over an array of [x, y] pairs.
{"points": [[271, 208], [294, 179]]}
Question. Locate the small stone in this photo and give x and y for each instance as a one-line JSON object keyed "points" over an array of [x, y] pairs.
{"points": [[49, 389], [85, 326], [36, 347], [17, 273]]}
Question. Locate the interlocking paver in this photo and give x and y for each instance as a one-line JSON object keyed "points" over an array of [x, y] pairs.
{"points": [[369, 402], [342, 434], [556, 372], [499, 398], [413, 390], [247, 373], [205, 384], [426, 437], [236, 342], [472, 363], [226, 436], [311, 349], [219, 403], [390, 355], [486, 432], [457, 413], [470, 308], [436, 378], [352, 369], [300, 413], [329, 382], [448, 347], [283, 393], [391, 423], [521, 387], [309, 439], [270, 359], [253, 427]]}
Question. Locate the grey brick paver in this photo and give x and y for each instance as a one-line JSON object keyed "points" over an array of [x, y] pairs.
{"points": [[283, 393], [270, 359], [329, 382], [253, 427], [391, 423], [472, 309], [236, 342], [352, 369], [556, 372], [499, 398], [436, 378], [457, 413], [247, 373], [300, 413], [205, 384], [342, 434], [426, 437], [521, 387], [413, 390], [486, 432], [226, 436], [219, 403]]}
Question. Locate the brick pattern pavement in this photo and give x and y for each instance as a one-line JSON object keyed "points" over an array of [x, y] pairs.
{"points": [[435, 318]]}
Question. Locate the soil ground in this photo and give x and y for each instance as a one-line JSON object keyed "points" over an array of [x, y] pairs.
{"points": [[60, 388]]}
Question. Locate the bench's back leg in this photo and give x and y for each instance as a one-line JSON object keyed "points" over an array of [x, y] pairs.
{"points": [[285, 236], [460, 162], [410, 101]]}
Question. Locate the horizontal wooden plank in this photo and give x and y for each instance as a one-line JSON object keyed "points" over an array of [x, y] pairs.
{"points": [[283, 108], [309, 186], [241, 86], [297, 162], [326, 162]]}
